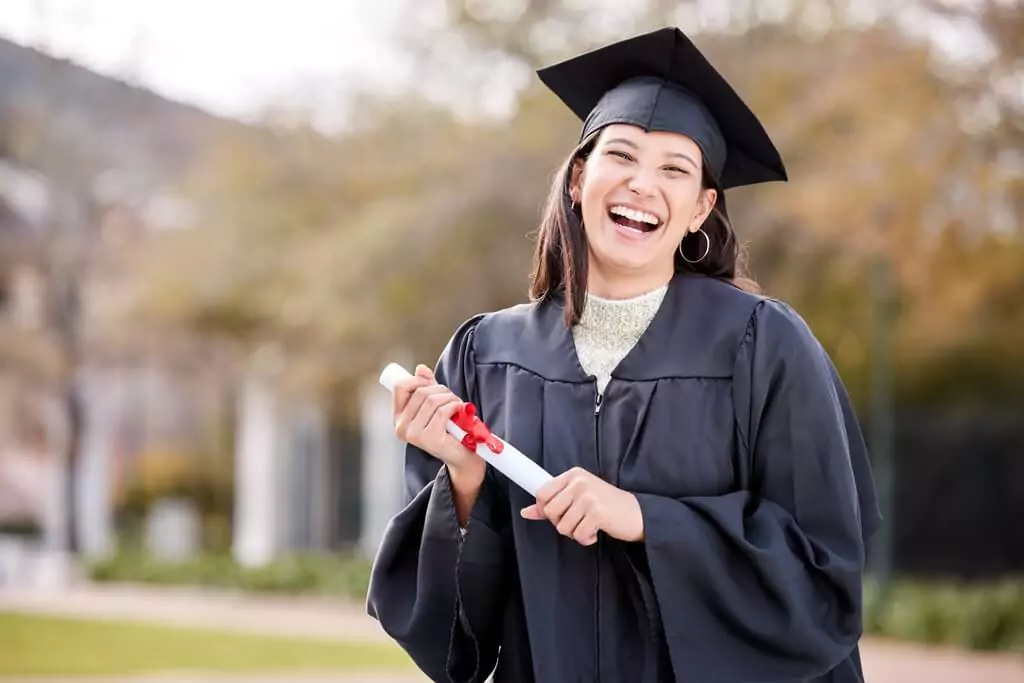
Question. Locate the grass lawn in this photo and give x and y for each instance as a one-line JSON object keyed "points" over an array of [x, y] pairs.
{"points": [[48, 646]]}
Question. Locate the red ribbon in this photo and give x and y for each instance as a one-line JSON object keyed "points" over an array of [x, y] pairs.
{"points": [[476, 431]]}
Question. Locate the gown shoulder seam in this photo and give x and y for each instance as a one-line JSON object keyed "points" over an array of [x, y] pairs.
{"points": [[512, 363]]}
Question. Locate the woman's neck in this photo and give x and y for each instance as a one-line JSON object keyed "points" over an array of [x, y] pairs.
{"points": [[625, 285]]}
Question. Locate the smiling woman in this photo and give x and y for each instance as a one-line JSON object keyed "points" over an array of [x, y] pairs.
{"points": [[641, 204], [641, 194], [712, 496]]}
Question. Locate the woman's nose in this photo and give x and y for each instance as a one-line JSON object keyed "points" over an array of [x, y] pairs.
{"points": [[642, 183]]}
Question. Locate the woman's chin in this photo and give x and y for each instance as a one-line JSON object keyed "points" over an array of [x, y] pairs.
{"points": [[618, 248], [619, 258], [627, 248]]}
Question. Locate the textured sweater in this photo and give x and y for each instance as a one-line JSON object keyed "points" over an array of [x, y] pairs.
{"points": [[610, 328]]}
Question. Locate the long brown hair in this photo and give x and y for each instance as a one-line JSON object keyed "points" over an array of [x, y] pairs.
{"points": [[560, 258]]}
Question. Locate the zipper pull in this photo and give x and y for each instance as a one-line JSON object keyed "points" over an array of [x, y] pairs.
{"points": [[597, 403]]}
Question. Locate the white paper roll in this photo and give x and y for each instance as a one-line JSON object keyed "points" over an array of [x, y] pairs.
{"points": [[511, 462]]}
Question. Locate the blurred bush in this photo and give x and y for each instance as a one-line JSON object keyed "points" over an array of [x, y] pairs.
{"points": [[343, 575], [984, 616], [160, 475]]}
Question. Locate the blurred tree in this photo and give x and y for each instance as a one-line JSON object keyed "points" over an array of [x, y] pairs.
{"points": [[340, 251], [873, 129], [45, 136], [59, 257]]}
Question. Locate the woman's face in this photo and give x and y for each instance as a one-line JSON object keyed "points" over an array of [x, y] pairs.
{"points": [[640, 194]]}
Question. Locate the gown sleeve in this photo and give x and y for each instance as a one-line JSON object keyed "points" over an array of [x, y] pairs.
{"points": [[764, 584], [438, 593]]}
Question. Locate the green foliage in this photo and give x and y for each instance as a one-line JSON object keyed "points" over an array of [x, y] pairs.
{"points": [[342, 575], [977, 617], [202, 479]]}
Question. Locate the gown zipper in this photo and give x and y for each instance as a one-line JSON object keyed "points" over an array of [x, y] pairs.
{"points": [[599, 398]]}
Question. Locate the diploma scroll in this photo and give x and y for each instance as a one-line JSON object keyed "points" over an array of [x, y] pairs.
{"points": [[508, 460]]}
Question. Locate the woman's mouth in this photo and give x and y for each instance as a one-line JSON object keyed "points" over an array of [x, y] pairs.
{"points": [[633, 221]]}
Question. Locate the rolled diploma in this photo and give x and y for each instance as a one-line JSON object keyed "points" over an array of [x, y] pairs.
{"points": [[511, 462]]}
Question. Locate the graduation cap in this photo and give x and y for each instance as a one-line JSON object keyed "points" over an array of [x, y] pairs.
{"points": [[660, 81]]}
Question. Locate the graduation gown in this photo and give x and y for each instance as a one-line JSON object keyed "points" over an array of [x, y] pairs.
{"points": [[728, 422]]}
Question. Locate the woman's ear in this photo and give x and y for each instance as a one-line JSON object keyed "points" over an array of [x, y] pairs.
{"points": [[576, 181], [705, 204]]}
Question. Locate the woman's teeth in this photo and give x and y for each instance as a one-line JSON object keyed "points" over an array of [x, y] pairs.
{"points": [[640, 221]]}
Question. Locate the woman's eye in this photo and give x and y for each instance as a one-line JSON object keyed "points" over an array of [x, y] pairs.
{"points": [[621, 155], [675, 169]]}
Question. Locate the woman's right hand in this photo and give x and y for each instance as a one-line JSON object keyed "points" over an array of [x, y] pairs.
{"points": [[421, 409]]}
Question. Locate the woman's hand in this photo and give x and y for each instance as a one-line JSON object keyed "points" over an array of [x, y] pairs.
{"points": [[421, 409], [580, 504]]}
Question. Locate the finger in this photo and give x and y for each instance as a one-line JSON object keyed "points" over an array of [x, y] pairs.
{"points": [[438, 424], [570, 520], [551, 489], [403, 391], [532, 512], [586, 531], [559, 505], [407, 421], [424, 372], [427, 400]]}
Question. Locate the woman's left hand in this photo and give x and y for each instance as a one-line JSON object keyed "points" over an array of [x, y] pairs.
{"points": [[580, 504]]}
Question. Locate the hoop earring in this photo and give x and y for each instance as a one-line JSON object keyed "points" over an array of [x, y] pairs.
{"points": [[707, 248]]}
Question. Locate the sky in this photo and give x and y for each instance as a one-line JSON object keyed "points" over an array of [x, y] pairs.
{"points": [[235, 57], [228, 56]]}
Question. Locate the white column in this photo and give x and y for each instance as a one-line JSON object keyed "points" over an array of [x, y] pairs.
{"points": [[55, 535], [383, 484], [94, 505], [256, 483]]}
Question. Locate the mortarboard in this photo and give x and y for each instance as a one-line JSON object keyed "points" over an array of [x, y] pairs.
{"points": [[660, 81]]}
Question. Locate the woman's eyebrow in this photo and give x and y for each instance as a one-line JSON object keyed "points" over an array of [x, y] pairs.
{"points": [[623, 141], [683, 156], [630, 143]]}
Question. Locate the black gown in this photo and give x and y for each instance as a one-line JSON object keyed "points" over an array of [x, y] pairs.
{"points": [[731, 426]]}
